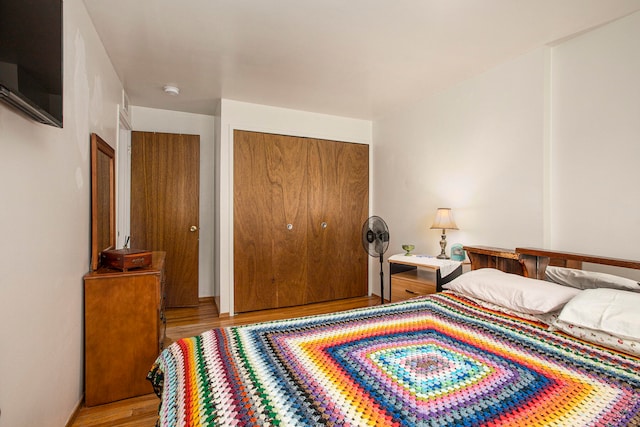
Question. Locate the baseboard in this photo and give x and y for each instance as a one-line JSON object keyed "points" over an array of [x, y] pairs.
{"points": [[74, 413], [373, 294], [216, 301]]}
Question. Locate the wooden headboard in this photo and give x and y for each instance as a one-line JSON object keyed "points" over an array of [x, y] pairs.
{"points": [[532, 262]]}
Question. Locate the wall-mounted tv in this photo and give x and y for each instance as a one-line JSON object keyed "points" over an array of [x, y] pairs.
{"points": [[31, 58]]}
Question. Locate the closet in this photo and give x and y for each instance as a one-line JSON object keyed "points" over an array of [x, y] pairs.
{"points": [[299, 206]]}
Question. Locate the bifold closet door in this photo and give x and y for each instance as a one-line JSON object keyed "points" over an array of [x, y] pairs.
{"points": [[299, 205], [338, 206], [270, 221]]}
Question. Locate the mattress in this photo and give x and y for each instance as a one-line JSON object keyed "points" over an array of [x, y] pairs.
{"points": [[440, 360]]}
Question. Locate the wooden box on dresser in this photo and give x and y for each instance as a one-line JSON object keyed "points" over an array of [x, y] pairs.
{"points": [[124, 330]]}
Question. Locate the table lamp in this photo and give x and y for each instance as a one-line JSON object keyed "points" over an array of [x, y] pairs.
{"points": [[444, 221]]}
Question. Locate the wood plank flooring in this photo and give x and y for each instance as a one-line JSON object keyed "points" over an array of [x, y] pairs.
{"points": [[185, 322]]}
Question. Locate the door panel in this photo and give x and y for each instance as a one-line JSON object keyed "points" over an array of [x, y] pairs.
{"points": [[288, 176], [253, 265], [165, 181], [269, 194], [338, 197]]}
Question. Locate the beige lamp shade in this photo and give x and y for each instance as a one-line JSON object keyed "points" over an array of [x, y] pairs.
{"points": [[444, 220]]}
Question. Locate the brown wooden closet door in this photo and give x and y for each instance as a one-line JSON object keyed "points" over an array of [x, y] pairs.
{"points": [[270, 192], [339, 198], [165, 192]]}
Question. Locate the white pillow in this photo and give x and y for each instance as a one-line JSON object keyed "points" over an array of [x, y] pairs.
{"points": [[544, 318], [598, 337], [589, 279], [613, 311], [531, 296]]}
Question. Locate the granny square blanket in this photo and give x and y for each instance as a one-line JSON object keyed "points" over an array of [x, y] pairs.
{"points": [[441, 360]]}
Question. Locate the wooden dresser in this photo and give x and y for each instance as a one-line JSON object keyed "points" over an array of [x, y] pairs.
{"points": [[124, 330]]}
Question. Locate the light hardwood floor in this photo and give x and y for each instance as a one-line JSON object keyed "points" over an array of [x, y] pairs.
{"points": [[185, 322]]}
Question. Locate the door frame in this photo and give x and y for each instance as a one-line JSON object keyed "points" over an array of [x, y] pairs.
{"points": [[123, 179], [156, 120]]}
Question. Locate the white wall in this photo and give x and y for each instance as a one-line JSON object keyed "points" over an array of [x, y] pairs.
{"points": [[596, 141], [476, 148], [262, 118], [44, 224], [540, 151], [155, 120]]}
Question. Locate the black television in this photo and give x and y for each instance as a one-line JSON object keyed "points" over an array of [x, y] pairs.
{"points": [[31, 60]]}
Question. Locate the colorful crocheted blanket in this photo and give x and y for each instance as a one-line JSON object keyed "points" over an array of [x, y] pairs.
{"points": [[435, 361]]}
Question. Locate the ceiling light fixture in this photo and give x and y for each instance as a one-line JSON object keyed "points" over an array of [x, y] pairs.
{"points": [[171, 90]]}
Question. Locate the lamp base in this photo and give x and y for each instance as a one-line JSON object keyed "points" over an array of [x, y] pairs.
{"points": [[443, 245]]}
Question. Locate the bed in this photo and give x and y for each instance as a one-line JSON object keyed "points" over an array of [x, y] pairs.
{"points": [[456, 358]]}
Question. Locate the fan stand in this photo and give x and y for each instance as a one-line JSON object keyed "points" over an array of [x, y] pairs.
{"points": [[375, 241], [381, 282]]}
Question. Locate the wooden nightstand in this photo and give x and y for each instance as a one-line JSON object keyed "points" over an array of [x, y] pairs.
{"points": [[415, 275]]}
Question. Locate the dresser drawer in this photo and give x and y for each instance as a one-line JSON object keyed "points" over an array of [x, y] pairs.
{"points": [[412, 284]]}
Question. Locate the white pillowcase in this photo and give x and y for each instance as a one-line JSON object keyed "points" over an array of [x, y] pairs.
{"points": [[598, 337], [531, 296], [589, 279], [613, 311]]}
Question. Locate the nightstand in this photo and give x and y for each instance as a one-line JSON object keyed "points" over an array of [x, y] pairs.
{"points": [[416, 275]]}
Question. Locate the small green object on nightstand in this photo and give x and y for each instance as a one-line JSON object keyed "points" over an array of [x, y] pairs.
{"points": [[408, 248]]}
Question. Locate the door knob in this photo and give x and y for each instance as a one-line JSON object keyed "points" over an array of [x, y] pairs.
{"points": [[323, 225], [193, 228]]}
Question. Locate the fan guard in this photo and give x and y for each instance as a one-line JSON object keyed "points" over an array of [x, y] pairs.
{"points": [[375, 241]]}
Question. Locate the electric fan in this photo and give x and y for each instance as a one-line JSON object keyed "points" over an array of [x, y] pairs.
{"points": [[375, 240]]}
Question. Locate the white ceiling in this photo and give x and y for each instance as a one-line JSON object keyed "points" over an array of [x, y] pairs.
{"points": [[353, 58]]}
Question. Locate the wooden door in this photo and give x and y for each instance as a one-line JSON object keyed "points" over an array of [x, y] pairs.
{"points": [[165, 188], [270, 220], [338, 206]]}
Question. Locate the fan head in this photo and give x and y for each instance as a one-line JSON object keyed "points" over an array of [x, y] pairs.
{"points": [[375, 236]]}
